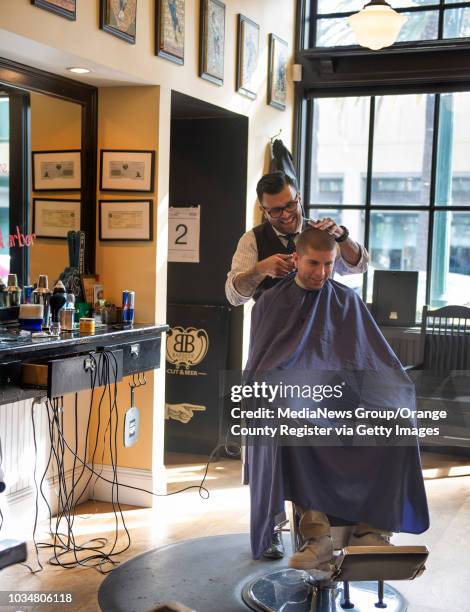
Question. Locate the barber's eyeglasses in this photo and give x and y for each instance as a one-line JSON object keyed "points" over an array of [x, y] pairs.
{"points": [[276, 212]]}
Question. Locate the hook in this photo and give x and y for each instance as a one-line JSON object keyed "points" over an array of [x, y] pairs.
{"points": [[273, 138], [140, 382]]}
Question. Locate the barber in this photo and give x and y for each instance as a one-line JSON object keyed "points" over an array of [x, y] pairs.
{"points": [[264, 254]]}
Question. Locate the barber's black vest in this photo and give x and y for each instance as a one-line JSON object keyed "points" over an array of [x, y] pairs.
{"points": [[268, 244]]}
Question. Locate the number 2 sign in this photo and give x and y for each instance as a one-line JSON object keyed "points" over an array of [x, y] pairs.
{"points": [[183, 234]]}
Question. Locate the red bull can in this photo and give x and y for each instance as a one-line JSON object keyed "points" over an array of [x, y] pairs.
{"points": [[128, 301]]}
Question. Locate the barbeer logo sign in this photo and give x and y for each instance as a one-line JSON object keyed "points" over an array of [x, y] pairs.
{"points": [[186, 347]]}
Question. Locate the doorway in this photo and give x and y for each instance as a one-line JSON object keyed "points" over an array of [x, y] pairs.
{"points": [[208, 169]]}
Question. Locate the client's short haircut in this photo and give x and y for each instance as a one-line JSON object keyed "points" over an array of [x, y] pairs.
{"points": [[273, 183], [314, 238]]}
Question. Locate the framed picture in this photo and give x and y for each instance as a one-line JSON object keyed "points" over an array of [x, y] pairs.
{"points": [[119, 17], [247, 58], [277, 72], [64, 8], [212, 41], [127, 170], [126, 220], [54, 218], [56, 170], [169, 30]]}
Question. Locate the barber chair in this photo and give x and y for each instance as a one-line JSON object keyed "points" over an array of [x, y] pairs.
{"points": [[290, 590]]}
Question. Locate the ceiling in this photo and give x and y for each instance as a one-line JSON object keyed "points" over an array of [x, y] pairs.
{"points": [[29, 52]]}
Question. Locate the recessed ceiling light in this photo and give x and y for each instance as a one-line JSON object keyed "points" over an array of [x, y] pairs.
{"points": [[79, 70]]}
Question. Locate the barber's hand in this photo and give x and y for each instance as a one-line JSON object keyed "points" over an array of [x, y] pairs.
{"points": [[276, 266], [328, 225]]}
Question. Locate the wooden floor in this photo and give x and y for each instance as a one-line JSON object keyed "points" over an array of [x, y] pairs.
{"points": [[443, 587]]}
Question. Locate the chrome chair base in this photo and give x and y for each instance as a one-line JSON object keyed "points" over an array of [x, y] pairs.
{"points": [[290, 590]]}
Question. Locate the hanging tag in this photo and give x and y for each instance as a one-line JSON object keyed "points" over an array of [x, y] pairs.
{"points": [[131, 426]]}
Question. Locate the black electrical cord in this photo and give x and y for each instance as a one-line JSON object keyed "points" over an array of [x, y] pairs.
{"points": [[65, 544], [64, 509], [100, 556]]}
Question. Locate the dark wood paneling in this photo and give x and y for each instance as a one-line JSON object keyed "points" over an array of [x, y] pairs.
{"points": [[437, 66], [208, 167]]}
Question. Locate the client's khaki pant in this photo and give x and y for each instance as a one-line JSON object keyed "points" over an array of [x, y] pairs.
{"points": [[314, 524]]}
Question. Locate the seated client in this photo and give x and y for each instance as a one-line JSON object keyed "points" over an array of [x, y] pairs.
{"points": [[311, 327]]}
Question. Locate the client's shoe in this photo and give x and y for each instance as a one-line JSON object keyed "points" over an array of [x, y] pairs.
{"points": [[370, 538], [315, 554], [276, 550]]}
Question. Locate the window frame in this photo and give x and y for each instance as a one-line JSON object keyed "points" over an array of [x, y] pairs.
{"points": [[367, 207], [439, 6], [404, 68]]}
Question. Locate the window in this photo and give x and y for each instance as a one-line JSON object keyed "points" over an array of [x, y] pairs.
{"points": [[426, 20], [399, 189], [404, 163], [407, 189], [330, 190]]}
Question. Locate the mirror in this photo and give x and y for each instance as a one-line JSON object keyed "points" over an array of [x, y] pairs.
{"points": [[55, 125], [42, 112]]}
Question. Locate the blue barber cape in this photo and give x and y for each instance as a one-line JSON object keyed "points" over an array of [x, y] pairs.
{"points": [[293, 329]]}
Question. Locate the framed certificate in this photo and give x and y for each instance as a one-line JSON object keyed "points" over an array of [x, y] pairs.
{"points": [[127, 170], [56, 170], [55, 218], [125, 220]]}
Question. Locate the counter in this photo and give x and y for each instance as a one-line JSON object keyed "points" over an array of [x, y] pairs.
{"points": [[65, 360]]}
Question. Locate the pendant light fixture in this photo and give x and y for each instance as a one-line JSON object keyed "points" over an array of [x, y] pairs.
{"points": [[377, 25]]}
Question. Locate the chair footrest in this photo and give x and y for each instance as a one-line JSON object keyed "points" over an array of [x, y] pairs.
{"points": [[381, 563]]}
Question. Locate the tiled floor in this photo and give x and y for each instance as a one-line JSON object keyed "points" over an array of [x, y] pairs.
{"points": [[445, 586]]}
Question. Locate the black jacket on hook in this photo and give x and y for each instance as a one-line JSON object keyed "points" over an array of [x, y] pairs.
{"points": [[281, 159]]}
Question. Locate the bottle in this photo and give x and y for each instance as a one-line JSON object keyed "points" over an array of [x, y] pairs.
{"points": [[42, 295], [3, 295], [67, 313], [13, 291], [56, 302]]}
